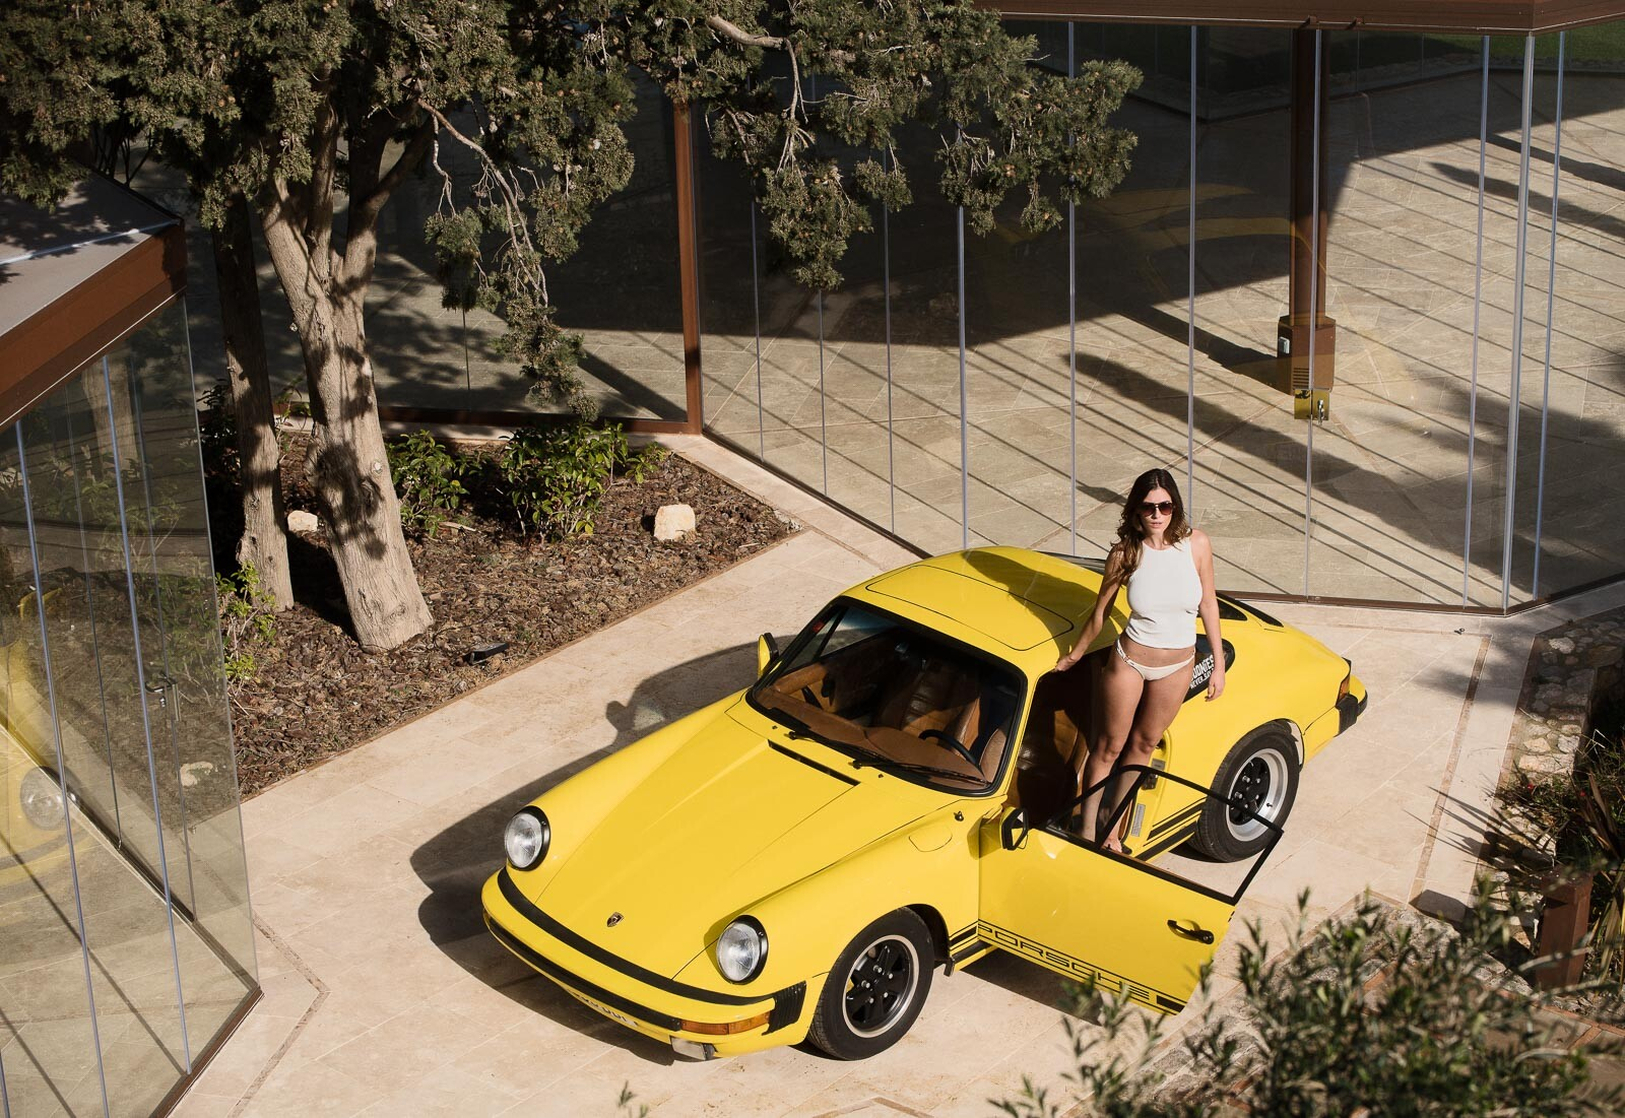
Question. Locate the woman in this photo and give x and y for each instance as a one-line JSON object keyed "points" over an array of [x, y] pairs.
{"points": [[1167, 568]]}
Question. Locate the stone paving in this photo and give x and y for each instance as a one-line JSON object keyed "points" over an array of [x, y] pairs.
{"points": [[384, 995]]}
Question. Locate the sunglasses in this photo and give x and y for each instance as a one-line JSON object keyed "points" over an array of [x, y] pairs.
{"points": [[1147, 508]]}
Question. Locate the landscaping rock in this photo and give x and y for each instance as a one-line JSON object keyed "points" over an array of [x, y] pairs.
{"points": [[674, 522], [303, 522]]}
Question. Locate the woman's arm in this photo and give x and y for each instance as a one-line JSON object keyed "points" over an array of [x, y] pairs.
{"points": [[1110, 582], [1202, 552]]}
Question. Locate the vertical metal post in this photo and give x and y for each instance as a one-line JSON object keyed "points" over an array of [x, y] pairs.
{"points": [[141, 697], [1072, 320], [823, 398], [756, 308], [891, 430], [1515, 393], [688, 267], [62, 762], [1478, 303], [1314, 320], [1551, 292], [964, 417], [1190, 309]]}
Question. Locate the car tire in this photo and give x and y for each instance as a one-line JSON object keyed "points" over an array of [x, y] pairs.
{"points": [[1261, 772], [876, 988]]}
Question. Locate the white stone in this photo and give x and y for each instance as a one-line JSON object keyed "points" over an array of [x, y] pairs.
{"points": [[302, 521], [1562, 644], [673, 522], [192, 773]]}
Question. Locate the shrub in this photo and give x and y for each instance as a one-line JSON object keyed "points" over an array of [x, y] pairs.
{"points": [[1553, 827], [555, 477], [1325, 1032], [247, 617], [428, 480], [217, 434]]}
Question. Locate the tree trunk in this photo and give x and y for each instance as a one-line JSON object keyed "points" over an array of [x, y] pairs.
{"points": [[264, 545], [347, 465]]}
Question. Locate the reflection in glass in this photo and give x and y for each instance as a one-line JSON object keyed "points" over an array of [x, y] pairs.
{"points": [[128, 934], [48, 1043], [1582, 529]]}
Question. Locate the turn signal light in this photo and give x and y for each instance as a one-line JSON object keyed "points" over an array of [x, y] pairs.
{"points": [[728, 1028]]}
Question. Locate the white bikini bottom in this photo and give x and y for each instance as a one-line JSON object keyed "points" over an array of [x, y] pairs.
{"points": [[1151, 674]]}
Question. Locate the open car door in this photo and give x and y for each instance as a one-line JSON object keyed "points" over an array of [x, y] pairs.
{"points": [[1098, 915]]}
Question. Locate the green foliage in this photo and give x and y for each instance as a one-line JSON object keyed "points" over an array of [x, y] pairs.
{"points": [[247, 618], [428, 479], [1561, 826], [555, 477], [282, 102], [1366, 1016]]}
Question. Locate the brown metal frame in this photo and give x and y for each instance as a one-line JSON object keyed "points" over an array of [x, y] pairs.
{"points": [[46, 348], [1478, 17]]}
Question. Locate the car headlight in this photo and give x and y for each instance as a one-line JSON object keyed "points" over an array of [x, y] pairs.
{"points": [[527, 838], [742, 949], [41, 799]]}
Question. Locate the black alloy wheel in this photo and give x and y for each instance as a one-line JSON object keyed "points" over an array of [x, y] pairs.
{"points": [[876, 988], [1260, 776]]}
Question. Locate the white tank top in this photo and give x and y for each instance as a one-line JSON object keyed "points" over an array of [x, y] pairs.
{"points": [[1163, 595]]}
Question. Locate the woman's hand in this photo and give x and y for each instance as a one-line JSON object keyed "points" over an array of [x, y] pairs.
{"points": [[1065, 663], [1215, 682]]}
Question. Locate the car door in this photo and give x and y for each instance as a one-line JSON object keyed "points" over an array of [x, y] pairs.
{"points": [[1094, 915]]}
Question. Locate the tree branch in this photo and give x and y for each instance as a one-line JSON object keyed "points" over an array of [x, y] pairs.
{"points": [[744, 38]]}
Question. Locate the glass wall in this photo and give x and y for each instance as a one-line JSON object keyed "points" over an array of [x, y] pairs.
{"points": [[123, 891], [1468, 346]]}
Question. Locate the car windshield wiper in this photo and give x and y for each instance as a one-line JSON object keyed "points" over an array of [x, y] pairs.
{"points": [[875, 761]]}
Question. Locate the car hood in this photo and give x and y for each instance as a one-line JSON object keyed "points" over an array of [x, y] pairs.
{"points": [[729, 818]]}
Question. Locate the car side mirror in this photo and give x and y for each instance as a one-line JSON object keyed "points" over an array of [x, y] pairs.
{"points": [[1013, 831], [767, 651]]}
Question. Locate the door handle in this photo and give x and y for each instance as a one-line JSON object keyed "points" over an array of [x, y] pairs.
{"points": [[1195, 931]]}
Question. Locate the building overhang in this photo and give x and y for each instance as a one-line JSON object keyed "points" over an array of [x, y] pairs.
{"points": [[75, 279], [1479, 17]]}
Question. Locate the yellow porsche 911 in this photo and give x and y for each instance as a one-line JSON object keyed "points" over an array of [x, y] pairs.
{"points": [[896, 792]]}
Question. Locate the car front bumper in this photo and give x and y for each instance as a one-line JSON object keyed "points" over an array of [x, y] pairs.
{"points": [[652, 1004]]}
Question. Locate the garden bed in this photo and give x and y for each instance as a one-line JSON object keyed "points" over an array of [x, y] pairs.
{"points": [[314, 692]]}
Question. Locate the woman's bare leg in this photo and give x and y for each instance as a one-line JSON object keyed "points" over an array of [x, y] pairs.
{"points": [[1159, 704], [1120, 689]]}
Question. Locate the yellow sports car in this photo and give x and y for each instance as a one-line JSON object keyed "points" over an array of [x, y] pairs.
{"points": [[895, 792]]}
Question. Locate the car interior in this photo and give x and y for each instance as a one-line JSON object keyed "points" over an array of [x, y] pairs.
{"points": [[896, 693]]}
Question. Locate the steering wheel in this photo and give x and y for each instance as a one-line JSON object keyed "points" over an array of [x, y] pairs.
{"points": [[952, 743]]}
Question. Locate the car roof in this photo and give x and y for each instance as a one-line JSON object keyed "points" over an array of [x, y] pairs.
{"points": [[1022, 600]]}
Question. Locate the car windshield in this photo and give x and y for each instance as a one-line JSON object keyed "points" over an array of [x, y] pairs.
{"points": [[896, 696]]}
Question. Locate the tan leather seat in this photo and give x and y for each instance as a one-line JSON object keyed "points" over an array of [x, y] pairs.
{"points": [[1056, 731]]}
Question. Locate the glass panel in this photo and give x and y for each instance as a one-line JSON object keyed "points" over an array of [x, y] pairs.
{"points": [[1583, 507], [1390, 465], [621, 289], [925, 355], [48, 1043], [76, 482], [1249, 485], [1131, 332], [180, 644], [1534, 388]]}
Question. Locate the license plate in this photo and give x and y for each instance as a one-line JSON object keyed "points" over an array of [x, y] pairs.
{"points": [[599, 1007]]}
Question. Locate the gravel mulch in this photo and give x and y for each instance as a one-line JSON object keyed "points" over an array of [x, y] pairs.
{"points": [[315, 693]]}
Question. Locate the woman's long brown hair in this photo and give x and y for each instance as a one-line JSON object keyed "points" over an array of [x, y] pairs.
{"points": [[1130, 531]]}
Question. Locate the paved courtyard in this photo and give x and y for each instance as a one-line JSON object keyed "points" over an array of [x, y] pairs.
{"points": [[384, 995]]}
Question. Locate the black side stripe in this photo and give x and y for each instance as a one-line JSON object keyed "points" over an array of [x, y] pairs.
{"points": [[558, 931], [1177, 820], [571, 982], [1164, 845], [966, 933]]}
